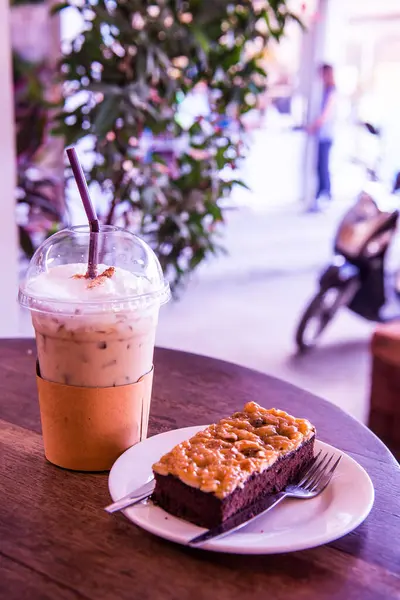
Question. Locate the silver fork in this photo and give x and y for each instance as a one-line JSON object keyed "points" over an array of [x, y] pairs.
{"points": [[315, 479], [310, 484]]}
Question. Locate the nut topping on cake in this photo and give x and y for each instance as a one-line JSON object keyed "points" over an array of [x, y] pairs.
{"points": [[224, 455]]}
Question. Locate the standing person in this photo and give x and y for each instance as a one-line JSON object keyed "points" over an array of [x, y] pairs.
{"points": [[323, 128]]}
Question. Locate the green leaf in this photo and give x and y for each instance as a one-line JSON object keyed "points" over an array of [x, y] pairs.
{"points": [[220, 158], [106, 115], [215, 211], [197, 258], [240, 183], [195, 129], [25, 242], [201, 38]]}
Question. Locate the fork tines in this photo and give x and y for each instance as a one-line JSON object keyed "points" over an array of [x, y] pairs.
{"points": [[318, 476]]}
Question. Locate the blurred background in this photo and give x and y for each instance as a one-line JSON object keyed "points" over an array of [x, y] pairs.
{"points": [[191, 122]]}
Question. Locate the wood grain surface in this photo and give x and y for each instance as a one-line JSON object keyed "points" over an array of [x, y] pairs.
{"points": [[56, 542]]}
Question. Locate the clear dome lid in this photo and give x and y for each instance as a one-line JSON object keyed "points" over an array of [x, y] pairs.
{"points": [[55, 280]]}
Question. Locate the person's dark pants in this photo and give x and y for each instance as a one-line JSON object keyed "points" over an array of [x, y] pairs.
{"points": [[324, 178]]}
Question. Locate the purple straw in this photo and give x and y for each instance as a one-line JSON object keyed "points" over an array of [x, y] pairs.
{"points": [[89, 209]]}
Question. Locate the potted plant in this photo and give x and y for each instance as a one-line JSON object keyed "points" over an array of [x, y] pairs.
{"points": [[140, 68]]}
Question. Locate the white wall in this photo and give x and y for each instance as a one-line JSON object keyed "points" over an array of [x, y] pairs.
{"points": [[8, 235]]}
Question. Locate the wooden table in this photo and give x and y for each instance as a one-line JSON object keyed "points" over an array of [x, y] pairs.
{"points": [[57, 543]]}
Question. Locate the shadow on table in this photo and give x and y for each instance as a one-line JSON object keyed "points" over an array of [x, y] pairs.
{"points": [[342, 354]]}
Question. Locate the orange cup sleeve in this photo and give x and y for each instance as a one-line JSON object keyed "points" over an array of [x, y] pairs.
{"points": [[86, 429]]}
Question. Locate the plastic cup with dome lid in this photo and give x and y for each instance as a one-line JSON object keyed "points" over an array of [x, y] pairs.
{"points": [[94, 332]]}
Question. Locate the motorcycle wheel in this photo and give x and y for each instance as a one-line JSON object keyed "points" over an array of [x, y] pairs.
{"points": [[318, 314]]}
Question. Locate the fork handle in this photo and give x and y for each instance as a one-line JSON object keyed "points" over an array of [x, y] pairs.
{"points": [[239, 520], [126, 501]]}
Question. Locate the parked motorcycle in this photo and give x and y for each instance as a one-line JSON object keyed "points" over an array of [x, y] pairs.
{"points": [[356, 279]]}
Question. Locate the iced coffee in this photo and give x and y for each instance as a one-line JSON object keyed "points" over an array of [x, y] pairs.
{"points": [[95, 342]]}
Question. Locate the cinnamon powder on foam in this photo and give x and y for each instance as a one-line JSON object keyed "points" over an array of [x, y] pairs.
{"points": [[99, 279]]}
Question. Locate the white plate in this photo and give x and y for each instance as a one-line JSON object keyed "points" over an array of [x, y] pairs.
{"points": [[292, 525]]}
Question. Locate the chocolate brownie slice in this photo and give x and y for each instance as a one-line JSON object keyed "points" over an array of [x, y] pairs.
{"points": [[231, 464]]}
